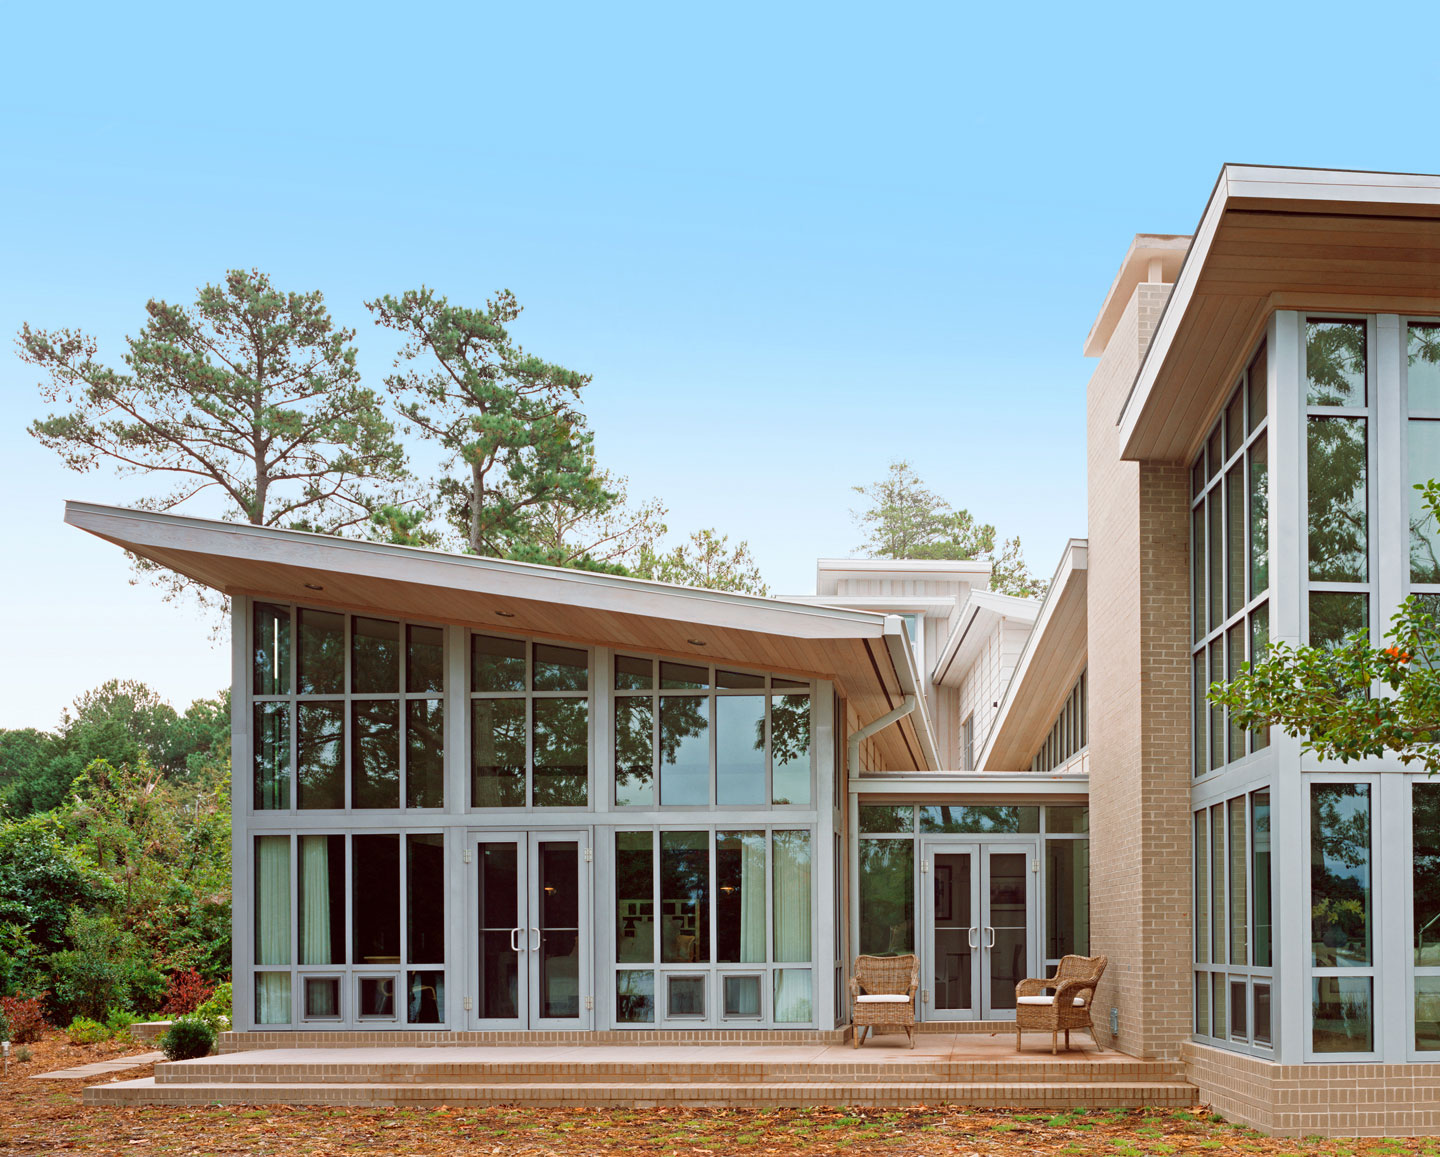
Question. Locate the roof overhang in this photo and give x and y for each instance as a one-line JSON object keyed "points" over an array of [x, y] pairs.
{"points": [[829, 571], [1053, 657], [976, 786], [982, 612], [1151, 257], [1276, 238], [867, 655]]}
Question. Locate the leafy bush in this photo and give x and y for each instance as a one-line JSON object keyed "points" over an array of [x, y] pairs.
{"points": [[118, 1021], [4, 1026], [185, 992], [84, 1031], [108, 969], [218, 1010], [26, 1016], [187, 1038]]}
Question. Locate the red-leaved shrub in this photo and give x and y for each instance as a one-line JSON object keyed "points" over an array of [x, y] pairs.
{"points": [[185, 992], [26, 1015]]}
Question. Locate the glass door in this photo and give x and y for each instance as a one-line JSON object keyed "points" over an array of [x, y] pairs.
{"points": [[1008, 940], [531, 899], [953, 932]]}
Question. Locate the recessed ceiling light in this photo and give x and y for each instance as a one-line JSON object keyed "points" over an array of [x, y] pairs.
{"points": [[506, 614], [696, 642], [313, 587]]}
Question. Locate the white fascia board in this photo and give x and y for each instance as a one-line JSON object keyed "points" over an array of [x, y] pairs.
{"points": [[386, 561], [973, 783], [883, 603], [902, 567], [1075, 558], [981, 612], [902, 657]]}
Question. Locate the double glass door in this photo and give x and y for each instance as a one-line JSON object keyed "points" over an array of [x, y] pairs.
{"points": [[980, 933], [530, 892]]}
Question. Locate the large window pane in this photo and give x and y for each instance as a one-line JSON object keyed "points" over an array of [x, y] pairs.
{"points": [[1217, 714], [1009, 819], [425, 898], [1335, 363], [321, 662], [1260, 869], [883, 819], [272, 649], [375, 753], [1340, 874], [740, 750], [562, 752], [1236, 495], [499, 926], [1215, 575], [634, 750], [793, 1001], [320, 756], [635, 898], [376, 871], [1256, 384], [1336, 469], [272, 903], [1217, 896], [1423, 372], [561, 668], [322, 900], [1259, 510], [424, 659], [1067, 897], [425, 753], [740, 897], [632, 674], [1341, 1012], [1197, 572], [634, 997], [792, 896], [887, 897], [497, 664], [1235, 659], [1239, 896], [272, 756], [1202, 890], [497, 744], [1259, 648], [790, 748], [374, 656], [684, 749], [1424, 533], [685, 897], [1199, 712], [1427, 1014], [1336, 614], [1425, 873]]}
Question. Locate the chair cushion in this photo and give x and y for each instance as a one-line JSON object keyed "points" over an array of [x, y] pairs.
{"points": [[882, 998], [1078, 1001]]}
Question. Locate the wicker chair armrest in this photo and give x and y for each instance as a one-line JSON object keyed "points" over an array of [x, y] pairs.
{"points": [[854, 986], [1067, 990], [914, 983], [1032, 986]]}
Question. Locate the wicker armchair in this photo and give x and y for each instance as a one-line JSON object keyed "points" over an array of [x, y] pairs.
{"points": [[882, 995], [1074, 984]]}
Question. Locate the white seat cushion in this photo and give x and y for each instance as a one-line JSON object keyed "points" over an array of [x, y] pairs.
{"points": [[882, 998], [1079, 1001]]}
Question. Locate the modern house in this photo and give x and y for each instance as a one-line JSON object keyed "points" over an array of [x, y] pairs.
{"points": [[479, 800]]}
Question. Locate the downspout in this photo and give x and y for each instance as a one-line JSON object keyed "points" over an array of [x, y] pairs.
{"points": [[852, 762]]}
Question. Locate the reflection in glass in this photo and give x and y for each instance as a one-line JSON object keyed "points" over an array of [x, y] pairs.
{"points": [[272, 649], [1239, 915], [1259, 648], [496, 664], [684, 749], [321, 662], [1202, 1003], [740, 897], [559, 923], [1235, 648], [884, 819], [1067, 898], [425, 898], [1425, 873], [1236, 495], [424, 659], [634, 750], [1336, 470], [1197, 572], [1427, 1014], [1335, 363], [1339, 875], [425, 753], [1217, 1004], [1336, 614], [375, 753], [1202, 890], [322, 900], [1261, 996], [685, 897], [792, 895], [1199, 711], [497, 745], [1259, 517], [1424, 533], [1260, 871], [1009, 819], [685, 996], [377, 996], [952, 899], [790, 749], [1341, 1019], [319, 751], [499, 924], [887, 897], [634, 997], [376, 922], [635, 897], [633, 674], [1235, 423], [374, 656], [1215, 579], [561, 668], [1423, 372], [1217, 714], [272, 756], [562, 752], [1217, 896], [426, 1003], [1256, 384], [739, 750]]}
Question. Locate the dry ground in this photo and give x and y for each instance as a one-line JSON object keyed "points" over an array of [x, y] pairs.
{"points": [[43, 1117]]}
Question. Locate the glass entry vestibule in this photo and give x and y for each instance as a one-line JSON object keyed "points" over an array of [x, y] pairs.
{"points": [[980, 927], [531, 896]]}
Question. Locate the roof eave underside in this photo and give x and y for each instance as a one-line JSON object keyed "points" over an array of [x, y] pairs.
{"points": [[848, 647], [1275, 238]]}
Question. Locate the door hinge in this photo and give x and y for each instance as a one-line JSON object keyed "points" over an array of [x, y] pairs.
{"points": [[468, 1005], [924, 996], [924, 867], [467, 855], [589, 1004], [1035, 865], [589, 855]]}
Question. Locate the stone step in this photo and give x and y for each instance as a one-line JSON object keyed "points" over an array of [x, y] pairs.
{"points": [[893, 1069], [1052, 1095]]}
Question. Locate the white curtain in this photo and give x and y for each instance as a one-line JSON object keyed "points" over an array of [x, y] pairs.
{"points": [[272, 928], [315, 900], [752, 899], [791, 858]]}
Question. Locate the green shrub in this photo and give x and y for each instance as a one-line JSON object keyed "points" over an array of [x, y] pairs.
{"points": [[23, 1055], [4, 1025], [118, 1021], [187, 1038], [84, 1031], [217, 1011], [107, 969]]}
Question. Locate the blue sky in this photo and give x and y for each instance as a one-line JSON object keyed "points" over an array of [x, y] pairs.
{"points": [[791, 242]]}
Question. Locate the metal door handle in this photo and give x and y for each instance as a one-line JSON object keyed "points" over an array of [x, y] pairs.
{"points": [[973, 937], [514, 940], [992, 936], [536, 946]]}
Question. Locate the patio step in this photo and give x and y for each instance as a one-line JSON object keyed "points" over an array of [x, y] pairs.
{"points": [[1052, 1095]]}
